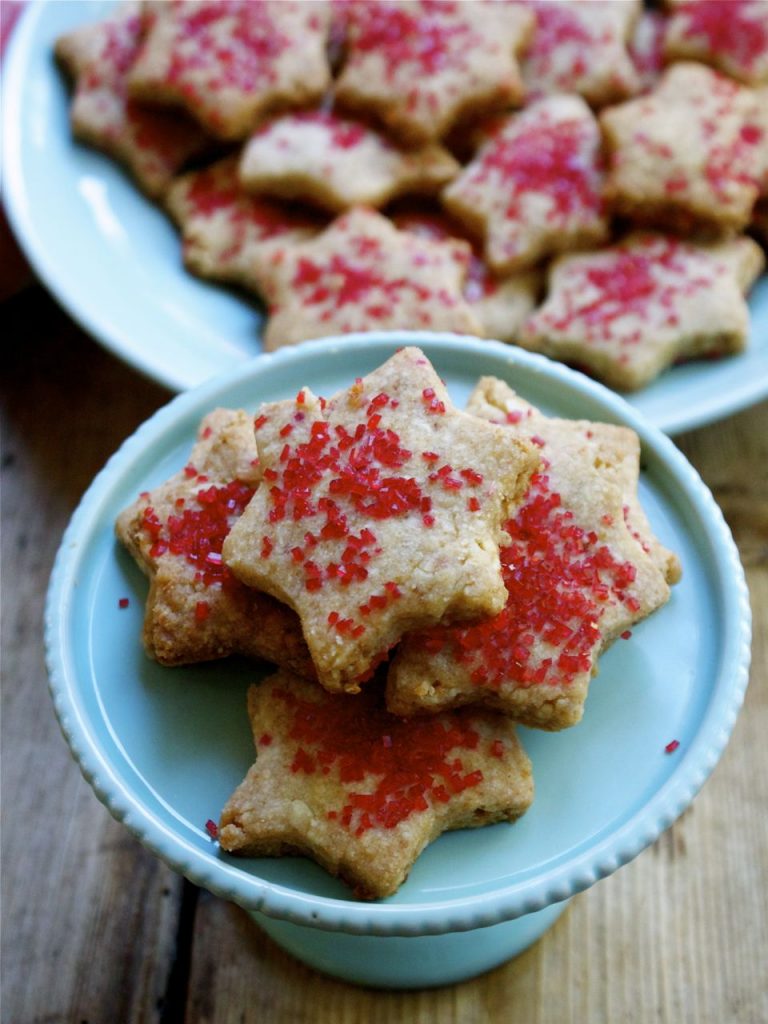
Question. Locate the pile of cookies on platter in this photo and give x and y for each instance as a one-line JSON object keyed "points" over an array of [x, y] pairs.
{"points": [[423, 579], [573, 176]]}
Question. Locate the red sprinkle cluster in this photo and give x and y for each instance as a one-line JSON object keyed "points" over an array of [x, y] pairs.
{"points": [[433, 37], [197, 532], [558, 159], [404, 765], [559, 580], [560, 30], [599, 294], [737, 29], [245, 60]]}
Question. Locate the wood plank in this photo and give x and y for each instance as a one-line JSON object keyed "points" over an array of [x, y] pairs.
{"points": [[89, 916]]}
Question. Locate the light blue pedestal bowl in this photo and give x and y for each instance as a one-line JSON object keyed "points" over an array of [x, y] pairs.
{"points": [[164, 748]]}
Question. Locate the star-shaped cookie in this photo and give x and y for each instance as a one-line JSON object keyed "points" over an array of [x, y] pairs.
{"points": [[688, 155], [152, 144], [363, 274], [501, 304], [420, 66], [228, 62], [627, 312], [380, 511], [731, 35], [196, 610], [581, 47], [333, 161], [224, 229], [338, 779], [577, 573], [536, 186]]}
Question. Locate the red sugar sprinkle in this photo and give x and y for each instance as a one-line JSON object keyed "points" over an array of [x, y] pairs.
{"points": [[123, 602], [626, 634], [404, 765], [672, 746], [199, 531], [559, 580], [212, 829], [202, 611], [265, 739]]}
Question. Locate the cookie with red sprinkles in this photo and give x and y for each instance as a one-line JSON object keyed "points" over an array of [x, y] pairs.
{"points": [[196, 610], [363, 274], [578, 571], [535, 187], [420, 67], [731, 35], [152, 144], [582, 48], [224, 229], [362, 792], [627, 312], [500, 302], [691, 154], [318, 156], [229, 62], [380, 512]]}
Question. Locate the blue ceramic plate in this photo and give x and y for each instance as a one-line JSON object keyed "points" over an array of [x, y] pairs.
{"points": [[164, 748], [113, 259]]}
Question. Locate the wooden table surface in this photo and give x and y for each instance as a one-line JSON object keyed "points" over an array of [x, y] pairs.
{"points": [[98, 930]]}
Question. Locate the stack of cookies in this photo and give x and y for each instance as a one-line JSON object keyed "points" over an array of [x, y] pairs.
{"points": [[573, 176], [423, 578]]}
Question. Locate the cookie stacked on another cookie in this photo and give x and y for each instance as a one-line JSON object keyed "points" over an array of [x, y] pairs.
{"points": [[423, 579]]}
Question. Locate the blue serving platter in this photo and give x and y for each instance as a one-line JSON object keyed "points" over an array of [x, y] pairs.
{"points": [[163, 748], [113, 259]]}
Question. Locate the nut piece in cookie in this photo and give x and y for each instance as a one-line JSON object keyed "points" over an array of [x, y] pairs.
{"points": [[535, 187], [627, 312], [581, 48], [196, 610], [501, 304], [581, 568], [334, 162], [151, 143], [731, 35], [688, 155], [228, 62], [380, 512], [363, 274], [420, 66], [225, 230], [338, 779]]}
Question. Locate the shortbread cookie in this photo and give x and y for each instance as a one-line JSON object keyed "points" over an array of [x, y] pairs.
{"points": [[421, 66], [731, 35], [225, 230], [690, 154], [577, 578], [646, 48], [627, 312], [230, 61], [363, 274], [581, 47], [196, 610], [338, 779], [535, 187], [617, 458], [380, 512], [501, 304], [322, 158], [152, 144]]}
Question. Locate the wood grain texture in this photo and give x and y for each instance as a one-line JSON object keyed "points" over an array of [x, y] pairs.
{"points": [[96, 929]]}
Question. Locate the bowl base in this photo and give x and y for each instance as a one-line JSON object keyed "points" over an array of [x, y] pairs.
{"points": [[422, 961]]}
